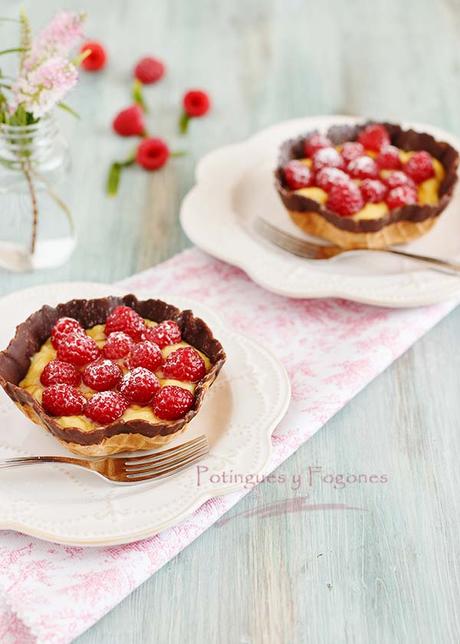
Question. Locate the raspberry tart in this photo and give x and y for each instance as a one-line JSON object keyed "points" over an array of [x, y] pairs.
{"points": [[366, 186], [111, 375]]}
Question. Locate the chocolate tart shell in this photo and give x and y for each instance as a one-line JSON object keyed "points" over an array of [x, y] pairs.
{"points": [[119, 435], [408, 140]]}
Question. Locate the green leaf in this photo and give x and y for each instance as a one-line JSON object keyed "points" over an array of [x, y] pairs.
{"points": [[138, 95], [77, 61], [13, 50], [179, 153], [69, 109], [113, 179], [183, 123]]}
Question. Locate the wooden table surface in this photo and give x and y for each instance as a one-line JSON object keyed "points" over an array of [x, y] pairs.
{"points": [[388, 572]]}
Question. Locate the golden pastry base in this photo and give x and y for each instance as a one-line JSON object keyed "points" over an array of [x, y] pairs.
{"points": [[399, 232], [122, 443], [108, 446]]}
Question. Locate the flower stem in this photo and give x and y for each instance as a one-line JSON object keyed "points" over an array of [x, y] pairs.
{"points": [[33, 197]]}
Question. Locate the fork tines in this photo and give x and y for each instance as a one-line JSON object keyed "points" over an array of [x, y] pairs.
{"points": [[139, 468], [284, 240]]}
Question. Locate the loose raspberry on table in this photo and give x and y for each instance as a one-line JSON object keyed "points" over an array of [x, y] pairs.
{"points": [[196, 103], [374, 137], [401, 196], [145, 354], [388, 158], [420, 167], [172, 402], [363, 168], [184, 364], [316, 142], [97, 58], [327, 158], [373, 190], [164, 334], [105, 407], [124, 318], [352, 150], [328, 177], [102, 375], [58, 372], [398, 178], [152, 154], [149, 70], [118, 345], [63, 327], [63, 400], [345, 199], [129, 122], [297, 175], [78, 350], [139, 386]]}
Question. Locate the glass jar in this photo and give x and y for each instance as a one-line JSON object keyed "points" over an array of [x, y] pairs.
{"points": [[36, 226]]}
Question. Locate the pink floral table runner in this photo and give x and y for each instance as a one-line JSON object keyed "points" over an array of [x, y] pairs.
{"points": [[331, 348]]}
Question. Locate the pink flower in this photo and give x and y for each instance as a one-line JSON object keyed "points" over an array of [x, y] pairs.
{"points": [[38, 90], [56, 39]]}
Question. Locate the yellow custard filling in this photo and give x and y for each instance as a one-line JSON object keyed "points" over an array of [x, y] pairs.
{"points": [[32, 384], [427, 191]]}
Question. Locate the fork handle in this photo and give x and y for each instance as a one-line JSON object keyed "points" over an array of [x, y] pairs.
{"points": [[36, 460], [445, 266]]}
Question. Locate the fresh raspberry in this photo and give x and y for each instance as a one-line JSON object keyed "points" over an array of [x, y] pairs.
{"points": [[139, 386], [297, 175], [327, 158], [63, 400], [102, 375], [129, 122], [57, 372], [184, 364], [196, 103], [401, 196], [345, 199], [363, 168], [124, 318], [152, 154], [328, 177], [316, 142], [105, 407], [149, 70], [118, 345], [351, 150], [172, 402], [399, 178], [63, 328], [78, 350], [374, 137], [388, 158], [163, 334], [96, 59], [373, 190], [145, 354], [420, 167]]}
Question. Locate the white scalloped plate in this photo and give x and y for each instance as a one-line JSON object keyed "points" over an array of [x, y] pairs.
{"points": [[235, 184], [68, 505]]}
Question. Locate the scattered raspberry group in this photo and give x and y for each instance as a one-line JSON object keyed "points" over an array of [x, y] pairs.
{"points": [[152, 153], [130, 344], [368, 171]]}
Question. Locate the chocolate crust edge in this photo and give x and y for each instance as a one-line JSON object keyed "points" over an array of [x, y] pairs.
{"points": [[404, 139], [36, 329]]}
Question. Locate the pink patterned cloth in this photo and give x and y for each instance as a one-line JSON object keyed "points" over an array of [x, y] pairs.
{"points": [[331, 348]]}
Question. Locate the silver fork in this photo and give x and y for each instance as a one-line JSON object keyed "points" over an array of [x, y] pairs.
{"points": [[131, 469], [309, 250]]}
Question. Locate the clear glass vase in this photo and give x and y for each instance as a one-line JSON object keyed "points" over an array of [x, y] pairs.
{"points": [[36, 226]]}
